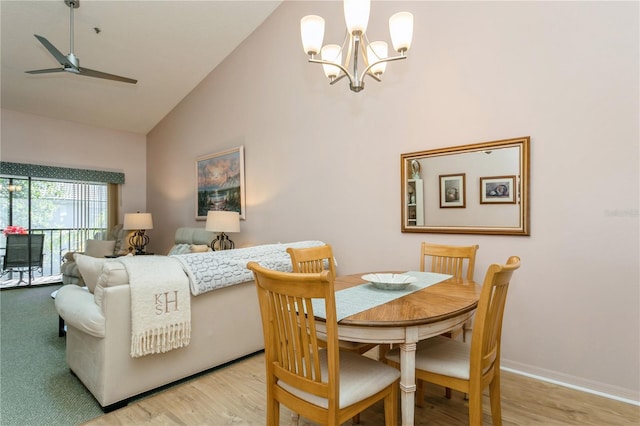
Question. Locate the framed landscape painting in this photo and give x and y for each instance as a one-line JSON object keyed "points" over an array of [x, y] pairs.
{"points": [[497, 190], [220, 183], [452, 191]]}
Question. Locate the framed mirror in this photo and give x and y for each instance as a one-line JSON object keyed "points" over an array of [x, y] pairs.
{"points": [[471, 189]]}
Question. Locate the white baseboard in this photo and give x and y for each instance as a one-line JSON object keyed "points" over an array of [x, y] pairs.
{"points": [[601, 389]]}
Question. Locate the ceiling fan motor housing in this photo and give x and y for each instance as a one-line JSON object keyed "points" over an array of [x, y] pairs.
{"points": [[75, 61]]}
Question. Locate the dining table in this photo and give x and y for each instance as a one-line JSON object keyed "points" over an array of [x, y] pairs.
{"points": [[431, 306]]}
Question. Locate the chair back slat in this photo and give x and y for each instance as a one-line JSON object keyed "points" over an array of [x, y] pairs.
{"points": [[446, 259], [485, 340]]}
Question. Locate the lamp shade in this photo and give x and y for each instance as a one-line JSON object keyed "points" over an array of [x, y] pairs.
{"points": [[312, 33], [401, 30], [222, 221], [137, 221], [331, 53], [377, 51], [356, 15]]}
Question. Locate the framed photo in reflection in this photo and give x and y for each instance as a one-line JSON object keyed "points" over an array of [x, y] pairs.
{"points": [[452, 191], [498, 190]]}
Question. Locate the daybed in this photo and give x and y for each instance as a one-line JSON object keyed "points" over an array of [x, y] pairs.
{"points": [[225, 322]]}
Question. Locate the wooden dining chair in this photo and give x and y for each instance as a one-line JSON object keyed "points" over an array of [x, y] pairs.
{"points": [[465, 367], [318, 259], [458, 261], [313, 259], [324, 384]]}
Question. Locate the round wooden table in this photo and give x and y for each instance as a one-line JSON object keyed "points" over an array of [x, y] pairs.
{"points": [[407, 320]]}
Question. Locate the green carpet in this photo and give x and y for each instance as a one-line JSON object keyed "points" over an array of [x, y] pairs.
{"points": [[36, 386]]}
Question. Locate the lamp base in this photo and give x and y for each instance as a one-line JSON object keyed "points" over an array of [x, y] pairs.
{"points": [[222, 242], [139, 241]]}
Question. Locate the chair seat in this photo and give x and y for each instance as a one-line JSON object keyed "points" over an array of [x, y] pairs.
{"points": [[440, 355], [360, 377]]}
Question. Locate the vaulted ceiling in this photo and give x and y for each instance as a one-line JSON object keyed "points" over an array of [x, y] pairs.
{"points": [[168, 46]]}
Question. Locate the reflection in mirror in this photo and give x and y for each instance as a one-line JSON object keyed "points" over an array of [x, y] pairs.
{"points": [[472, 189]]}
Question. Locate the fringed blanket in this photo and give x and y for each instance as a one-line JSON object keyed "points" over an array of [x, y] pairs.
{"points": [[212, 270], [160, 304]]}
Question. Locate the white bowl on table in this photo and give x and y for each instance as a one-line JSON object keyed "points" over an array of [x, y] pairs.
{"points": [[390, 281]]}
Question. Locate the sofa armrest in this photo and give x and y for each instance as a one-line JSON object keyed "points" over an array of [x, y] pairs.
{"points": [[78, 309]]}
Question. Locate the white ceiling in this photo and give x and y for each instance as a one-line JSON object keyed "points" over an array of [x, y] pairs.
{"points": [[168, 46]]}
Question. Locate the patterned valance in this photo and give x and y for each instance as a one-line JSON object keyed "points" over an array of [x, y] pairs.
{"points": [[62, 173]]}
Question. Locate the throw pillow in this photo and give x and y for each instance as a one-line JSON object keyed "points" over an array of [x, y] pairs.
{"points": [[90, 268], [180, 249], [99, 248], [200, 248]]}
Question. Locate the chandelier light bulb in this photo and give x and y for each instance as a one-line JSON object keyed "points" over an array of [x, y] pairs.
{"points": [[401, 30], [331, 53], [312, 32], [376, 51], [356, 15]]}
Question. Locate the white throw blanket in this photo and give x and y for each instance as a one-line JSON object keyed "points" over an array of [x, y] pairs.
{"points": [[160, 304], [216, 269]]}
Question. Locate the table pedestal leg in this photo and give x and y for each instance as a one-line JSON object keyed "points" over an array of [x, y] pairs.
{"points": [[407, 382]]}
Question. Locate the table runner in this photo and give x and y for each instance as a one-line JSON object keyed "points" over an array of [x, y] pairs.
{"points": [[365, 296]]}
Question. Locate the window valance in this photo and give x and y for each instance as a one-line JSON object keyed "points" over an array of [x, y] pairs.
{"points": [[62, 173]]}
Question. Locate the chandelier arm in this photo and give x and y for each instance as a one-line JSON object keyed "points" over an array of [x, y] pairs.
{"points": [[335, 64], [366, 70], [337, 79]]}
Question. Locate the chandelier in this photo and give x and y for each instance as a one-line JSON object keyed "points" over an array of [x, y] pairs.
{"points": [[357, 45]]}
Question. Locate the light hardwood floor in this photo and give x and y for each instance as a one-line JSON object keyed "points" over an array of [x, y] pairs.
{"points": [[234, 395]]}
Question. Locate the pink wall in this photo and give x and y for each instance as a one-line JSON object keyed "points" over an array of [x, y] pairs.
{"points": [[323, 162], [28, 138]]}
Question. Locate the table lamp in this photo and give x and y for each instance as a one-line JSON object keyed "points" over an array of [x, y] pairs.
{"points": [[139, 222], [222, 221]]}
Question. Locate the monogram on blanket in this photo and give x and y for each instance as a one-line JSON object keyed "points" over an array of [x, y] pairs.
{"points": [[212, 270], [160, 304]]}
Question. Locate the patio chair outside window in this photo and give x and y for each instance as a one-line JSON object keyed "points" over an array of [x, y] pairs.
{"points": [[17, 257]]}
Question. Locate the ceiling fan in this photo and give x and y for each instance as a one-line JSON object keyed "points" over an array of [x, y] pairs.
{"points": [[71, 63]]}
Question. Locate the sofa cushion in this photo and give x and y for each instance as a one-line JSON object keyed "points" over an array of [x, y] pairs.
{"points": [[199, 248], [180, 249], [113, 274], [193, 236], [90, 268], [99, 248]]}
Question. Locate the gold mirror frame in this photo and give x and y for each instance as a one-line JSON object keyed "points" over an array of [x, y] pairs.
{"points": [[470, 189]]}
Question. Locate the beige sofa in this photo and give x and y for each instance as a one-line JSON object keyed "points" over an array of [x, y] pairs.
{"points": [[225, 325]]}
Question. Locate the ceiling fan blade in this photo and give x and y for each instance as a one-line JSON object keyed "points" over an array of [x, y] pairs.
{"points": [[64, 61], [48, 70], [99, 74]]}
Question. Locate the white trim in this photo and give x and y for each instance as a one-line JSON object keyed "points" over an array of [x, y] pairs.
{"points": [[612, 392]]}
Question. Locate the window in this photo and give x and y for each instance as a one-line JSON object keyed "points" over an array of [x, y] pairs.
{"points": [[68, 205], [67, 213]]}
